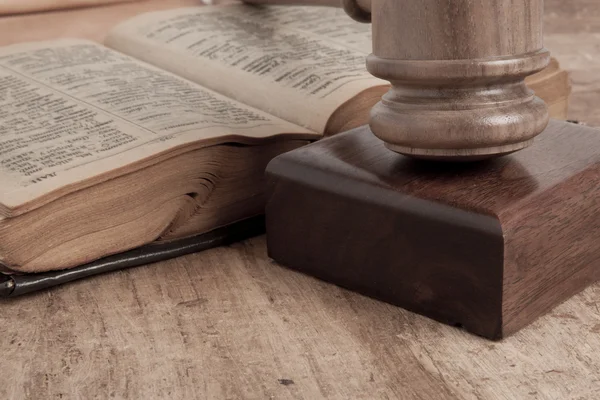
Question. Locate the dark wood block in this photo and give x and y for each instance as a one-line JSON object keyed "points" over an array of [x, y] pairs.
{"points": [[489, 246]]}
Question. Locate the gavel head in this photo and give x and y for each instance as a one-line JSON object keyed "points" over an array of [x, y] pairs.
{"points": [[457, 69], [357, 11]]}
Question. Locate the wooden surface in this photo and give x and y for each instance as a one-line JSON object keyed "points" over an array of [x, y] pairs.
{"points": [[230, 324], [88, 23], [489, 247], [27, 6], [573, 36]]}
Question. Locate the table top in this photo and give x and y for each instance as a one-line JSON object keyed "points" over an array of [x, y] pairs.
{"points": [[229, 323]]}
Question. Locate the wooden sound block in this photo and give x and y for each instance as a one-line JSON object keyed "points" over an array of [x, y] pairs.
{"points": [[488, 246]]}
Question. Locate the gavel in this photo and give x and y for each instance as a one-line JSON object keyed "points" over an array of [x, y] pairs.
{"points": [[457, 70], [486, 246]]}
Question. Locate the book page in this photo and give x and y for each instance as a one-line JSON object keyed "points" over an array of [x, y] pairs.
{"points": [[75, 110], [298, 63], [331, 24]]}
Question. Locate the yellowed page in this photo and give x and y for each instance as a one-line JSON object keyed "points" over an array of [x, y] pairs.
{"points": [[298, 63], [73, 112]]}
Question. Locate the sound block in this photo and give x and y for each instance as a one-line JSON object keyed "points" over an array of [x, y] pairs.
{"points": [[489, 246]]}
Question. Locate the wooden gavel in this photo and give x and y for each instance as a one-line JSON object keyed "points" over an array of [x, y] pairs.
{"points": [[457, 69]]}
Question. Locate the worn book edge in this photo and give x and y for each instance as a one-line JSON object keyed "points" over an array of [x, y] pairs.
{"points": [[20, 284]]}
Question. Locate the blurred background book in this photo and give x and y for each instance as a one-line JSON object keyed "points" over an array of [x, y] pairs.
{"points": [[28, 6]]}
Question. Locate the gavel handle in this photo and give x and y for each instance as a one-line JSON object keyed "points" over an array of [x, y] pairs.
{"points": [[360, 10]]}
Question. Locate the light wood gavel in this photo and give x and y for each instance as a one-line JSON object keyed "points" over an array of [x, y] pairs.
{"points": [[457, 69]]}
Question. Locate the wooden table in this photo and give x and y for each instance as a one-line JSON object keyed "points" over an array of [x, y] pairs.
{"points": [[231, 324]]}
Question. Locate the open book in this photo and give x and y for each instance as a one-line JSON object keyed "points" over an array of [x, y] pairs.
{"points": [[165, 133]]}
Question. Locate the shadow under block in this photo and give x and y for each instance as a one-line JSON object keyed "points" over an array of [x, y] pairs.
{"points": [[488, 246]]}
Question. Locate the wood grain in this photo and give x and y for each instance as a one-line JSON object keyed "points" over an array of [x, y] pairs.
{"points": [[91, 23], [489, 247], [457, 69], [230, 323], [28, 6]]}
